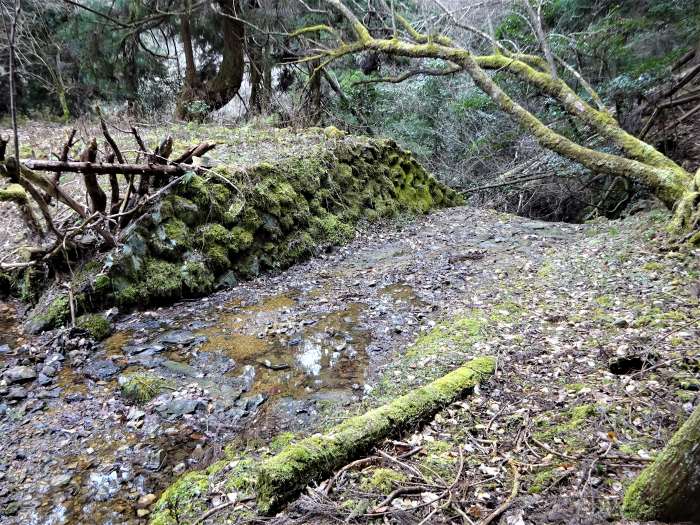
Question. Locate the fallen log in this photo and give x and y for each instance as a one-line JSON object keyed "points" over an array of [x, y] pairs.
{"points": [[284, 476]]}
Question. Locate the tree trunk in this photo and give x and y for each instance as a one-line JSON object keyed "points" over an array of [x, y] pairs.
{"points": [[191, 87], [230, 75], [131, 74], [259, 95], [314, 93], [63, 101], [669, 488]]}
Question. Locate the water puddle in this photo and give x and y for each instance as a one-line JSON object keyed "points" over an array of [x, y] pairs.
{"points": [[401, 293], [290, 356], [291, 351]]}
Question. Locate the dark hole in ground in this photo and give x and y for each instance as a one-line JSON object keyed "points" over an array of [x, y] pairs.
{"points": [[625, 365]]}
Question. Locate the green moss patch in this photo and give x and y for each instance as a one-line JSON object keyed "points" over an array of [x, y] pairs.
{"points": [[96, 325], [382, 480]]}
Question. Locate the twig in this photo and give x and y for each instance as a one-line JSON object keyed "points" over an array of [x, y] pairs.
{"points": [[109, 139], [358, 463], [508, 502], [396, 493], [552, 451], [592, 466], [221, 507]]}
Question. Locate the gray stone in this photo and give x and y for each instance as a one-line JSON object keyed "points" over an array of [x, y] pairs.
{"points": [[247, 378], [53, 360], [182, 369], [60, 480], [153, 459], [44, 380], [17, 374], [177, 337], [143, 350], [17, 392], [179, 407], [252, 403], [101, 369], [49, 370], [50, 394], [4, 349], [214, 364]]}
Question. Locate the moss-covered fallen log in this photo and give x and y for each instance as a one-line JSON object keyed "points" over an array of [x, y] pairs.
{"points": [[284, 476]]}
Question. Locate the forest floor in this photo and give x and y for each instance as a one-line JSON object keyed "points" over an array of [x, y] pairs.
{"points": [[595, 328]]}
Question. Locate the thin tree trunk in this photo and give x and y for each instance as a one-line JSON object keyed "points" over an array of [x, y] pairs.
{"points": [[314, 87], [13, 85], [669, 488], [256, 61], [186, 36]]}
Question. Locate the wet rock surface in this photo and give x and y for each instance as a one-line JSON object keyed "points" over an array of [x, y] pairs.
{"points": [[248, 362]]}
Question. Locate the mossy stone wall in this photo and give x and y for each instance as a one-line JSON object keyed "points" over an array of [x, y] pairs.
{"points": [[233, 224]]}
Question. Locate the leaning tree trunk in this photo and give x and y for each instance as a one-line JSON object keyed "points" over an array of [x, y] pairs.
{"points": [[669, 488], [671, 183]]}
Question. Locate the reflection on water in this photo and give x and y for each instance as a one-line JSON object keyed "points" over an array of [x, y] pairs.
{"points": [[309, 358]]}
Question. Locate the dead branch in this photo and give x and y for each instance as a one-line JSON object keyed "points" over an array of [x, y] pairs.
{"points": [[64, 157], [408, 74], [109, 139], [510, 182], [194, 151], [103, 168], [98, 199], [682, 82], [508, 502]]}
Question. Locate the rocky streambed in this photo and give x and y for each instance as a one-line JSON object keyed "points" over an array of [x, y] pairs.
{"points": [[94, 432]]}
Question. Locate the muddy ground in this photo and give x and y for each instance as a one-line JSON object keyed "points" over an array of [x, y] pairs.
{"points": [[595, 328]]}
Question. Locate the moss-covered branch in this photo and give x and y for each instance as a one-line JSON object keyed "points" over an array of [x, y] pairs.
{"points": [[434, 72], [13, 193], [420, 37], [645, 164], [319, 28], [282, 477]]}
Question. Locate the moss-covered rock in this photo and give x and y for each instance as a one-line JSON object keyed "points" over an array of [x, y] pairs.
{"points": [[51, 312], [96, 325]]}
